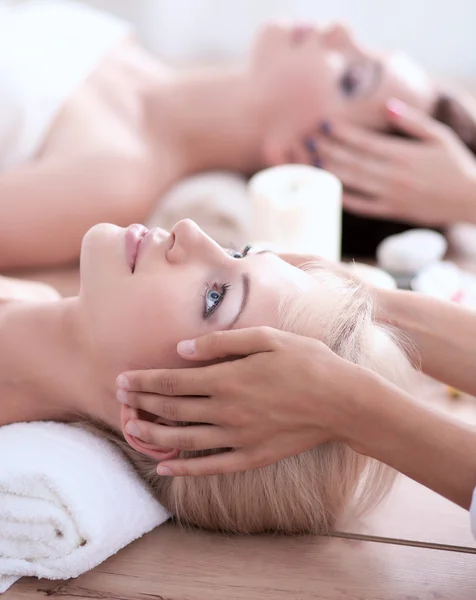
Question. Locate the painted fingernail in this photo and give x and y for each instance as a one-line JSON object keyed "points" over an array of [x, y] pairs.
{"points": [[186, 347], [325, 127], [121, 396], [395, 107], [122, 382], [164, 471], [132, 429], [310, 145]]}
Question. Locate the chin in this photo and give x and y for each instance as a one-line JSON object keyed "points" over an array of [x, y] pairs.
{"points": [[101, 245], [100, 234]]}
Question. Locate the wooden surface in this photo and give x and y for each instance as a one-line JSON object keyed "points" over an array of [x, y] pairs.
{"points": [[170, 564], [415, 546]]}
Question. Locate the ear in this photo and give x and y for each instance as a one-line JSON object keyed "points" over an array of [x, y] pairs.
{"points": [[151, 450]]}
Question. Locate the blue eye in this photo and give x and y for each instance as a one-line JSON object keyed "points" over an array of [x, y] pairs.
{"points": [[213, 298]]}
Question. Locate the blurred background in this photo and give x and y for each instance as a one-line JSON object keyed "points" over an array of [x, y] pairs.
{"points": [[440, 34]]}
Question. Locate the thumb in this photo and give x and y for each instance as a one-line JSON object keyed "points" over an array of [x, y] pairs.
{"points": [[414, 122], [226, 344]]}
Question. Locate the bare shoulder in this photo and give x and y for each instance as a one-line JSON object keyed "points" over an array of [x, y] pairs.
{"points": [[16, 289]]}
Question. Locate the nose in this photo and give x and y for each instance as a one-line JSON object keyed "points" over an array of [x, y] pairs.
{"points": [[338, 35], [189, 242]]}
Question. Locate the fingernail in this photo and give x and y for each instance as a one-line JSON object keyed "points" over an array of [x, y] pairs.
{"points": [[395, 107], [317, 163], [121, 396], [325, 127], [132, 429], [186, 347], [164, 471], [310, 145], [122, 382]]}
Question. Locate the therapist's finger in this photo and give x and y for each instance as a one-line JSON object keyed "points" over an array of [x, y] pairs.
{"points": [[366, 207], [224, 462], [178, 408], [414, 122], [238, 342], [377, 145], [191, 438], [356, 170], [171, 382]]}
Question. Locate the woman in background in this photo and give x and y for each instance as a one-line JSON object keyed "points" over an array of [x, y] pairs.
{"points": [[93, 128]]}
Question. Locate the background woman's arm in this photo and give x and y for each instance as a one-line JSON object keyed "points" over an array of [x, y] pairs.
{"points": [[47, 207]]}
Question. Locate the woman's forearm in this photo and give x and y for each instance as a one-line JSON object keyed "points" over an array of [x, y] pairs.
{"points": [[46, 207], [444, 334], [424, 444]]}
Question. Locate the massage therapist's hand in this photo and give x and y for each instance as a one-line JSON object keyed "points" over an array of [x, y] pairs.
{"points": [[286, 395], [429, 180]]}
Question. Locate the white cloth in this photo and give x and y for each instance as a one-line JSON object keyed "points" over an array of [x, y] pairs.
{"points": [[47, 48], [68, 501]]}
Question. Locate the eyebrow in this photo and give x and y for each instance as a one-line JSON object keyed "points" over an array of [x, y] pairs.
{"points": [[246, 283], [245, 278]]}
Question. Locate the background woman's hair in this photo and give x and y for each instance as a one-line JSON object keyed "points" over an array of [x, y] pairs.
{"points": [[307, 492], [362, 235], [453, 112]]}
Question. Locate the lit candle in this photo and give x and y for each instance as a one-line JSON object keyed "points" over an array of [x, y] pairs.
{"points": [[297, 208]]}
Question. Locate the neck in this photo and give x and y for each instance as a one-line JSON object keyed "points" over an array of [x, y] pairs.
{"points": [[47, 371], [212, 119]]}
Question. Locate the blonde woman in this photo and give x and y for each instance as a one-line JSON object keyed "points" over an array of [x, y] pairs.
{"points": [[290, 393], [141, 293]]}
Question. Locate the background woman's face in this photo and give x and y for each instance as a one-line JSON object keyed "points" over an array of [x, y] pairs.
{"points": [[182, 285], [311, 74]]}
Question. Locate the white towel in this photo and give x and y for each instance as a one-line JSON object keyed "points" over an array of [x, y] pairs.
{"points": [[218, 201], [68, 501]]}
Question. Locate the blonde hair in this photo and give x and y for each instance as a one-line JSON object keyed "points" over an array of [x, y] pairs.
{"points": [[307, 492]]}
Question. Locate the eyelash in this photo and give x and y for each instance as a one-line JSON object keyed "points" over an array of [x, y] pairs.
{"points": [[242, 254], [351, 80], [221, 289]]}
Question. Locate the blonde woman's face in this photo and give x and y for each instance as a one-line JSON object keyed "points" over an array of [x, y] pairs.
{"points": [[136, 307], [310, 74]]}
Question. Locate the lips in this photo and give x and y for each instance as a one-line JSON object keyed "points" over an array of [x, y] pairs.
{"points": [[133, 237]]}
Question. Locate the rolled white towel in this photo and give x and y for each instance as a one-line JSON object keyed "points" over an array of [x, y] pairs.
{"points": [[217, 201], [68, 501]]}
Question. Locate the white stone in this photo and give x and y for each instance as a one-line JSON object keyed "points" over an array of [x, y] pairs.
{"points": [[445, 281], [411, 251], [462, 238]]}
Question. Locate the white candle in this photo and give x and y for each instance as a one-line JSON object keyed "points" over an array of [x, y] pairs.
{"points": [[297, 208]]}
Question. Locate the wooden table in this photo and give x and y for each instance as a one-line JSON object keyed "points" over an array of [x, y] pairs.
{"points": [[415, 546]]}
